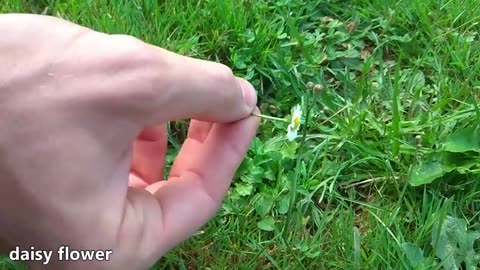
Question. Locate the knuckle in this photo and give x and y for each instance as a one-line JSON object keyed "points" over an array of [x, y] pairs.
{"points": [[223, 73], [237, 150], [125, 40], [224, 70], [130, 50], [135, 65], [227, 85]]}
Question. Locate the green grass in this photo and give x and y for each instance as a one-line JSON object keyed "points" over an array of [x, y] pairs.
{"points": [[399, 68]]}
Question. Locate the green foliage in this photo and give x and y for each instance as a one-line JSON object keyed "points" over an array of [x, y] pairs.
{"points": [[414, 255], [266, 224], [464, 140], [452, 243], [6, 264], [460, 152]]}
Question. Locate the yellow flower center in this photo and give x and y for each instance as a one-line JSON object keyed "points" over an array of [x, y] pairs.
{"points": [[296, 122]]}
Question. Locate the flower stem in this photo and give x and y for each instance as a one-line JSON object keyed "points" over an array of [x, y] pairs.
{"points": [[333, 115], [299, 160], [269, 117]]}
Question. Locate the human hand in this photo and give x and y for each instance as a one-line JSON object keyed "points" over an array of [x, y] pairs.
{"points": [[82, 142]]}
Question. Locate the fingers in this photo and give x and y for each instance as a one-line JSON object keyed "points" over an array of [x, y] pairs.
{"points": [[194, 194], [197, 134], [150, 148], [199, 130], [169, 86], [136, 182], [148, 161], [203, 90], [125, 76]]}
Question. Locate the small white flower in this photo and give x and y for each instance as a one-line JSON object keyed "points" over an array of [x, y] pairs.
{"points": [[295, 123]]}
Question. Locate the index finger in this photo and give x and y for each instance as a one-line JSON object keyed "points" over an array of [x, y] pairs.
{"points": [[165, 86]]}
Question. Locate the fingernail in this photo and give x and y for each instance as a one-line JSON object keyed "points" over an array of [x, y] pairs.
{"points": [[248, 92]]}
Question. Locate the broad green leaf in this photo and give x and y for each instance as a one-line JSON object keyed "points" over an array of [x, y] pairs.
{"points": [[439, 164], [445, 249], [289, 149], [274, 155], [414, 255], [283, 204], [429, 170], [285, 148], [463, 140], [312, 184], [266, 224], [287, 164], [455, 244], [263, 204], [244, 189], [257, 146], [260, 159], [461, 162], [257, 174], [254, 175], [270, 175], [244, 167], [273, 145], [291, 175]]}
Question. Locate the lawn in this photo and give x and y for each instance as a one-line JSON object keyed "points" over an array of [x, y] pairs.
{"points": [[385, 171]]}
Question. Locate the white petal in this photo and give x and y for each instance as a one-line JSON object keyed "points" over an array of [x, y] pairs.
{"points": [[291, 135], [297, 112]]}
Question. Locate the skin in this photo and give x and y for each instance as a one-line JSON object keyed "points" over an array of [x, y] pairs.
{"points": [[83, 141]]}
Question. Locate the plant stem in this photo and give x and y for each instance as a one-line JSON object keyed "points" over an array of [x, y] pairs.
{"points": [[330, 118], [269, 117], [293, 188]]}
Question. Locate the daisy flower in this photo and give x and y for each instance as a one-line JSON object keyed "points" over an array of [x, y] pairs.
{"points": [[294, 126], [295, 121]]}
